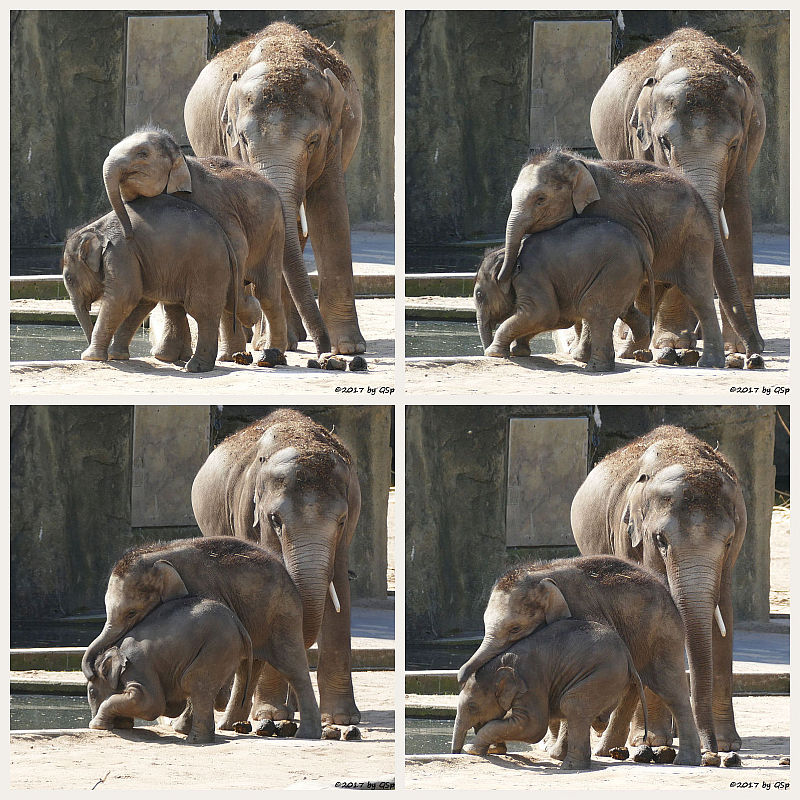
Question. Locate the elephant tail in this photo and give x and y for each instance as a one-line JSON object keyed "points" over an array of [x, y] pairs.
{"points": [[651, 282], [236, 279], [635, 679]]}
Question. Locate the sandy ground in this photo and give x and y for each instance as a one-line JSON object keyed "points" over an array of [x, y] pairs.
{"points": [[558, 374], [154, 757], [151, 377], [779, 575], [766, 718]]}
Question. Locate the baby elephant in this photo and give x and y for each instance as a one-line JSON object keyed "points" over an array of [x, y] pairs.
{"points": [[585, 271], [178, 255], [184, 650], [574, 670]]}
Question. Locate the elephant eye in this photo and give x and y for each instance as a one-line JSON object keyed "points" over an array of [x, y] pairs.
{"points": [[313, 142], [276, 523], [665, 145], [142, 154], [661, 541], [540, 201], [479, 294], [131, 614]]}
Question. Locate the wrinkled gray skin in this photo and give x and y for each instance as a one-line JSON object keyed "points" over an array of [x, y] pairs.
{"points": [[180, 256], [629, 599], [586, 271], [289, 484], [243, 577], [302, 139], [570, 670], [246, 206], [666, 502], [669, 220], [186, 650], [688, 103]]}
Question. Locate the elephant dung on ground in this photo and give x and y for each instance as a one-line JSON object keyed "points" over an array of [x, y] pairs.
{"points": [[626, 597], [689, 103], [674, 504], [180, 256], [243, 576], [291, 485], [573, 670], [666, 215], [287, 104], [185, 650], [585, 272], [246, 206]]}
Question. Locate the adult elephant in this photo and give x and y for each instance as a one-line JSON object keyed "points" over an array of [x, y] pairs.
{"points": [[291, 485], [288, 105], [672, 503], [689, 103]]}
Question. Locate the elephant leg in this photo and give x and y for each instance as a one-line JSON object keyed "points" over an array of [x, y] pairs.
{"points": [[639, 334], [175, 341], [134, 701], [120, 344], [329, 228], [674, 322], [581, 349], [112, 315], [270, 297], [183, 723], [202, 730], [579, 747], [601, 337], [616, 732], [521, 346], [702, 302], [295, 331], [724, 724], [659, 722], [205, 352], [336, 700], [557, 746], [230, 341], [514, 327], [239, 703], [514, 727], [270, 696]]}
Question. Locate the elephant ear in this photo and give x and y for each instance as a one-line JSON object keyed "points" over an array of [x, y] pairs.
{"points": [[507, 682], [91, 249], [553, 602], [179, 178], [229, 113], [170, 583], [111, 667], [633, 507], [639, 119], [584, 189], [336, 101]]}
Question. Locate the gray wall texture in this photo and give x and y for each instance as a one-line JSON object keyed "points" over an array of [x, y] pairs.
{"points": [[456, 480], [72, 469], [67, 108], [468, 82]]}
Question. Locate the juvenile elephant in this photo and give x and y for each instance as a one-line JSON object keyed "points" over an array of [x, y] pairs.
{"points": [[629, 599], [288, 483], [666, 215], [586, 272], [287, 104], [689, 103], [241, 575], [571, 670], [181, 257], [185, 650], [243, 202], [672, 503]]}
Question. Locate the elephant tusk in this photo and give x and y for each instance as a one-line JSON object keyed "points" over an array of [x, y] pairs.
{"points": [[255, 510], [724, 223], [304, 221], [335, 599], [720, 623]]}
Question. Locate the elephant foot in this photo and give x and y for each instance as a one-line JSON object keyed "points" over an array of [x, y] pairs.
{"points": [[341, 712], [200, 737], [93, 353], [734, 347], [686, 758], [346, 338], [348, 347], [227, 723], [712, 360], [183, 724], [495, 351], [497, 749], [600, 366], [195, 364], [97, 724], [475, 749], [677, 341], [653, 738], [225, 355], [308, 730], [728, 738], [558, 750], [118, 354], [168, 352], [275, 711], [520, 349], [576, 764]]}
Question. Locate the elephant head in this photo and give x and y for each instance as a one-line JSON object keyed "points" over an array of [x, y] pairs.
{"points": [[493, 302], [486, 695], [136, 586], [685, 516], [81, 268], [305, 505], [519, 603], [550, 189], [144, 164]]}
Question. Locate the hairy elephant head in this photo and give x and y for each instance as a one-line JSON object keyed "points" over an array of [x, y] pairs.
{"points": [[519, 603], [144, 164], [136, 586], [493, 302], [305, 506], [82, 271], [486, 695], [551, 187]]}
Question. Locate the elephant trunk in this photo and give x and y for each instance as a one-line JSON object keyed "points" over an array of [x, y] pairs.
{"points": [[484, 328], [488, 649], [109, 635], [294, 269], [460, 729], [516, 228], [310, 567], [111, 175], [81, 310]]}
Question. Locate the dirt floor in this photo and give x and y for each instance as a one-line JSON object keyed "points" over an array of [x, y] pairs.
{"points": [[558, 374], [154, 757], [147, 375], [766, 718]]}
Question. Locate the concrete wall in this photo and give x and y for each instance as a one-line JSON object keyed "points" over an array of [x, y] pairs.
{"points": [[68, 98], [468, 95], [75, 491], [456, 489]]}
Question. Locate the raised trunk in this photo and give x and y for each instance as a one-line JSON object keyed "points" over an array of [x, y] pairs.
{"points": [[515, 230], [489, 649], [82, 313], [111, 179], [107, 637], [460, 729]]}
